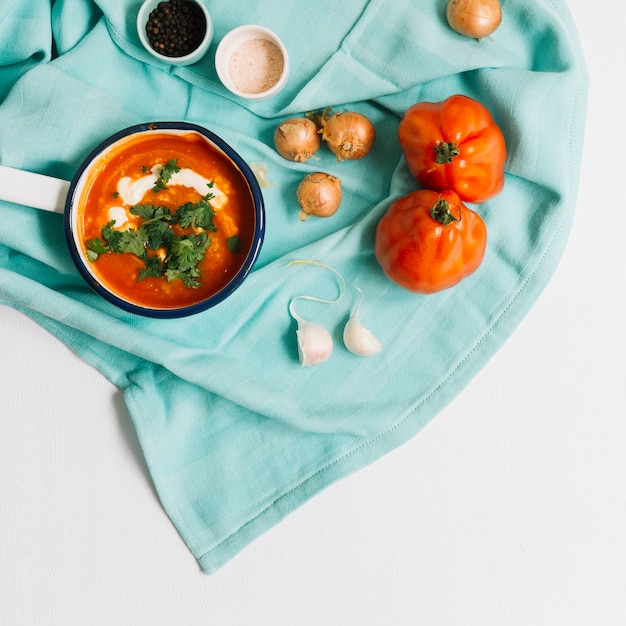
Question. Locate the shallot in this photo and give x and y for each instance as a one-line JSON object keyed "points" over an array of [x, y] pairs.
{"points": [[349, 135], [474, 18], [319, 194], [297, 139]]}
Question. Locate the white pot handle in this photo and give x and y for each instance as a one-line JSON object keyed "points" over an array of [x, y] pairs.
{"points": [[34, 190]]}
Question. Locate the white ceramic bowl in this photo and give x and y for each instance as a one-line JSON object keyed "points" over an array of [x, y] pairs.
{"points": [[193, 57], [250, 72]]}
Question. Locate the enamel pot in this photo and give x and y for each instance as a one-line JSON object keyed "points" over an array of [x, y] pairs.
{"points": [[52, 194]]}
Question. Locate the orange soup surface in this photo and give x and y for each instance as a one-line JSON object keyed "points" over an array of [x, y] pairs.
{"points": [[145, 225]]}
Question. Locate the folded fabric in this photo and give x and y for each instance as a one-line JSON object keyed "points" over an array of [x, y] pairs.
{"points": [[235, 433]]}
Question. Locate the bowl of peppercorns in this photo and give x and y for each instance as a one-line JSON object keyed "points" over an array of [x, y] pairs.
{"points": [[178, 32]]}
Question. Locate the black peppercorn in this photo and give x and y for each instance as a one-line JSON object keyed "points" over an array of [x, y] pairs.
{"points": [[176, 28]]}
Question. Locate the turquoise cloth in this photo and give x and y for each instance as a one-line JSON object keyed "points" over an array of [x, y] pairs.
{"points": [[235, 433]]}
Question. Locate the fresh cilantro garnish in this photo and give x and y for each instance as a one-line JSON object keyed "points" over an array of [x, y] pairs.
{"points": [[187, 251], [234, 244], [153, 267], [146, 211], [96, 247], [190, 278], [151, 212], [159, 234], [196, 214], [161, 241], [165, 173], [185, 254], [130, 240]]}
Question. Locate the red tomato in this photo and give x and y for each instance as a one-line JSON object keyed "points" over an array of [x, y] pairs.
{"points": [[429, 241], [454, 144]]}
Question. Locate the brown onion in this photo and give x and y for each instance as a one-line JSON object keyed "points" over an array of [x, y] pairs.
{"points": [[349, 135], [474, 18], [297, 139], [319, 194]]}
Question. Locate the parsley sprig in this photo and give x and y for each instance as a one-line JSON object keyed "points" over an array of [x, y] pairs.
{"points": [[162, 249]]}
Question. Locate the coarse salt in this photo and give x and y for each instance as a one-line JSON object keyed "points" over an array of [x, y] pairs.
{"points": [[256, 65]]}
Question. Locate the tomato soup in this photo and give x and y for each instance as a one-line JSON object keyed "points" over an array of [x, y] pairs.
{"points": [[165, 220]]}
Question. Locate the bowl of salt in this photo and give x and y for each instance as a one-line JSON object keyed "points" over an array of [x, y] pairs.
{"points": [[252, 62]]}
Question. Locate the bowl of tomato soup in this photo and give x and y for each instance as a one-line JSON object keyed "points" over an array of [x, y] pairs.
{"points": [[164, 219]]}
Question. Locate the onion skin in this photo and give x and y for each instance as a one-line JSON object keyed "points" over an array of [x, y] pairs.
{"points": [[349, 135], [297, 139], [474, 18], [319, 194]]}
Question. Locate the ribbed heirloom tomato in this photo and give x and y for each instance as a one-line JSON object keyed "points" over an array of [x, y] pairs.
{"points": [[454, 144], [428, 241]]}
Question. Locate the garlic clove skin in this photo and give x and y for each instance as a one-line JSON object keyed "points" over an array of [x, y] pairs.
{"points": [[315, 345], [358, 339]]}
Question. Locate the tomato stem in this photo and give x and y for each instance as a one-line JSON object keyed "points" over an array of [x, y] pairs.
{"points": [[445, 152], [441, 213]]}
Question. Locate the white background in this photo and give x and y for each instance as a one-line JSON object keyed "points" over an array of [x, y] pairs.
{"points": [[508, 509]]}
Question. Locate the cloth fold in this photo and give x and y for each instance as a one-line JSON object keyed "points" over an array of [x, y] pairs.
{"points": [[236, 435]]}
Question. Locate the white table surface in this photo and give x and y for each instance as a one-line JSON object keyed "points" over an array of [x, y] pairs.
{"points": [[508, 509]]}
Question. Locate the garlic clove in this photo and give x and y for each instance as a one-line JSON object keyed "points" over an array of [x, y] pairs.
{"points": [[315, 344], [358, 339]]}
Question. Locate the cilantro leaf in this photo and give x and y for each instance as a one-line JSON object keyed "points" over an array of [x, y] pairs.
{"points": [[187, 251], [196, 214], [160, 229], [185, 254], [190, 277], [158, 233], [97, 247], [165, 173], [120, 241], [234, 244], [151, 212], [153, 267]]}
